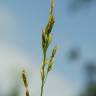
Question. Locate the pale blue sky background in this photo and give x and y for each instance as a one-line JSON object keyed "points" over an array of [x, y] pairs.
{"points": [[21, 24]]}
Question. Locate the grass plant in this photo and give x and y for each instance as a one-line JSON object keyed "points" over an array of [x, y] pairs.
{"points": [[47, 65]]}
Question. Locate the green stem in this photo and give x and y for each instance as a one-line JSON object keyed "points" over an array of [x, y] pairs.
{"points": [[46, 77], [42, 86]]}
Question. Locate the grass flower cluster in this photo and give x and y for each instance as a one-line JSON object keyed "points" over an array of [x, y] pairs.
{"points": [[46, 41], [25, 81]]}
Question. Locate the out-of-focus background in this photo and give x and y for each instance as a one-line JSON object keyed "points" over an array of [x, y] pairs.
{"points": [[21, 24]]}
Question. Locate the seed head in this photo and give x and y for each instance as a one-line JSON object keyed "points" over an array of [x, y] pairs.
{"points": [[50, 25], [24, 78], [27, 93], [52, 7], [54, 51], [43, 40], [49, 39], [50, 64]]}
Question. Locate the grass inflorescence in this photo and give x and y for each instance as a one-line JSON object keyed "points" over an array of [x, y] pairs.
{"points": [[46, 41], [25, 81]]}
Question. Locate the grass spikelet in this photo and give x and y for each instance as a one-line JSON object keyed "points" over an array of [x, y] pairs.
{"points": [[27, 93], [25, 81], [54, 51], [50, 24], [52, 6]]}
